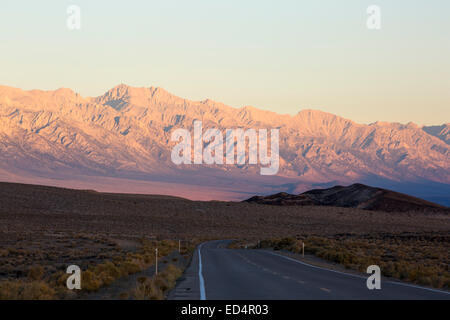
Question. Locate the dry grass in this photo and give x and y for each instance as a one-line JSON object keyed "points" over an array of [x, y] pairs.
{"points": [[105, 273], [26, 290], [158, 286], [45, 283]]}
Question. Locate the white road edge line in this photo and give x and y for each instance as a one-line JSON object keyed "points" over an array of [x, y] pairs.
{"points": [[200, 275], [354, 275]]}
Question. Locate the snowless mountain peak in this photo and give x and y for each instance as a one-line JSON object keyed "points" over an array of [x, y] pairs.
{"points": [[313, 115], [122, 96]]}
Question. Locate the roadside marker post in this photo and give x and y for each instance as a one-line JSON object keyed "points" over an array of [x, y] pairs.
{"points": [[303, 249], [156, 264]]}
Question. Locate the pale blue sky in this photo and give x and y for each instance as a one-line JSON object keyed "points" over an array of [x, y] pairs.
{"points": [[283, 55]]}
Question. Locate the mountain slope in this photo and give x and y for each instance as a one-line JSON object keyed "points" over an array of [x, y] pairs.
{"points": [[120, 142], [441, 132], [355, 196]]}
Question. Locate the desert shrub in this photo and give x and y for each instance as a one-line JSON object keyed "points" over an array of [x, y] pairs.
{"points": [[289, 244], [171, 273], [129, 267], [89, 281], [4, 252], [36, 273], [155, 288], [124, 296], [148, 290], [25, 290], [108, 269]]}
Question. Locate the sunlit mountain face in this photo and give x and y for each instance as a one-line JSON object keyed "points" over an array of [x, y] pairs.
{"points": [[121, 142]]}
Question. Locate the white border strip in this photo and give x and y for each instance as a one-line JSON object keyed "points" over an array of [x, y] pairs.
{"points": [[200, 275], [354, 275]]}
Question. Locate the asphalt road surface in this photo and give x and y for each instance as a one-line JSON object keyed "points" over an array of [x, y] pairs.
{"points": [[217, 273]]}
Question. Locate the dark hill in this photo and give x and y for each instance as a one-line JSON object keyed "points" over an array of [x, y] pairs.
{"points": [[354, 196]]}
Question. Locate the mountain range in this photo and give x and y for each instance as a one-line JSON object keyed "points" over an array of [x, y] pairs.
{"points": [[121, 142]]}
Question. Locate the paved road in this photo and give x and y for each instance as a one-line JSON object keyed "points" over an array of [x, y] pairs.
{"points": [[217, 273]]}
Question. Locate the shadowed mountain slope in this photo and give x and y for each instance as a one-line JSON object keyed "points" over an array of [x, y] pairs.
{"points": [[354, 196]]}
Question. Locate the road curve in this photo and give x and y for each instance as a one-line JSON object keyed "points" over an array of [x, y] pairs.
{"points": [[217, 273]]}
